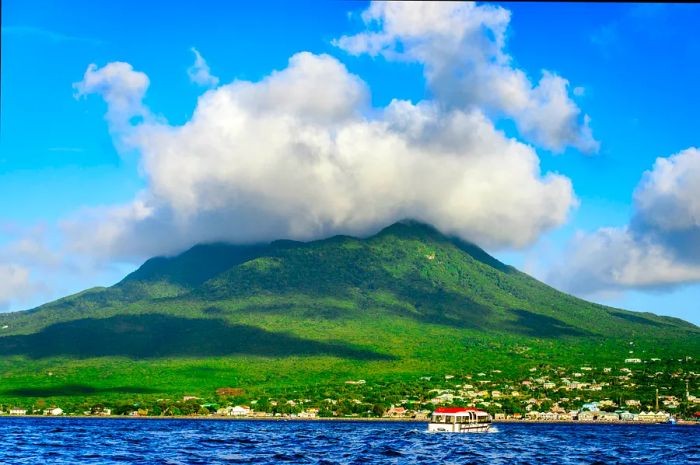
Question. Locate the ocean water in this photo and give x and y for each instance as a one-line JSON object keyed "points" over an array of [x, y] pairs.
{"points": [[116, 441]]}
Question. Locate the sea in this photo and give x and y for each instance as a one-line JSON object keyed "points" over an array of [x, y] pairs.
{"points": [[182, 441]]}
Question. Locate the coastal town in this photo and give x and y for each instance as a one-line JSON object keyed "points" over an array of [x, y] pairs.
{"points": [[636, 390]]}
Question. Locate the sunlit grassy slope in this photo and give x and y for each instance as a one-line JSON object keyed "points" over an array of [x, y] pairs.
{"points": [[406, 302]]}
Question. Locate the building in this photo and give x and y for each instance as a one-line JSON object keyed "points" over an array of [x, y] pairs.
{"points": [[308, 413], [592, 406], [625, 415], [237, 411], [18, 411], [608, 416], [422, 414], [396, 412]]}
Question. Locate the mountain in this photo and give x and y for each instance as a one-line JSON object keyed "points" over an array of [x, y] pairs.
{"points": [[406, 301]]}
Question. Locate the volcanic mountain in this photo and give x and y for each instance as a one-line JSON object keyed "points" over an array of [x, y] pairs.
{"points": [[405, 302]]}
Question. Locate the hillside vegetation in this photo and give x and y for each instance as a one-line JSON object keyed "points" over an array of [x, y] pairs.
{"points": [[406, 302]]}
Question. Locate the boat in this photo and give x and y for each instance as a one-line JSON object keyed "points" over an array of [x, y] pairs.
{"points": [[459, 420]]}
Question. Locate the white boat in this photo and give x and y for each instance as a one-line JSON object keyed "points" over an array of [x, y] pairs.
{"points": [[459, 420]]}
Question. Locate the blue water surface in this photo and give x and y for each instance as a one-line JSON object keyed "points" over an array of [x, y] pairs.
{"points": [[112, 441]]}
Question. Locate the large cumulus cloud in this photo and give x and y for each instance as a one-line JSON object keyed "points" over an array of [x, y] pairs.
{"points": [[300, 154], [660, 247], [462, 49]]}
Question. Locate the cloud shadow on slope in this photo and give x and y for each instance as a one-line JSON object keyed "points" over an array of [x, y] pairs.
{"points": [[162, 336]]}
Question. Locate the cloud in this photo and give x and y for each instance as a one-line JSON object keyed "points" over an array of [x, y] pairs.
{"points": [[35, 266], [300, 154], [21, 255], [462, 49], [122, 88], [14, 284], [659, 248], [199, 72]]}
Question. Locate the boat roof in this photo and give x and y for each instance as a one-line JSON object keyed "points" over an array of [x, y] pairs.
{"points": [[459, 411]]}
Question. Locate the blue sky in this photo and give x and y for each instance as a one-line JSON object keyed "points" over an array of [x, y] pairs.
{"points": [[635, 69]]}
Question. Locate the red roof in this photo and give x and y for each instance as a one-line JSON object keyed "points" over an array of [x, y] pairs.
{"points": [[456, 410]]}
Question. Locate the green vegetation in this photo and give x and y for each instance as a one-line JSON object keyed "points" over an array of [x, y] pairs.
{"points": [[290, 317]]}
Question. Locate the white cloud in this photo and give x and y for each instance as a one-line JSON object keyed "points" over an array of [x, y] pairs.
{"points": [[22, 253], [200, 73], [36, 266], [668, 198], [296, 155], [462, 49], [15, 284], [660, 246], [121, 87]]}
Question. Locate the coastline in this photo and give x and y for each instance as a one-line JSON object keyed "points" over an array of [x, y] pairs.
{"points": [[337, 419]]}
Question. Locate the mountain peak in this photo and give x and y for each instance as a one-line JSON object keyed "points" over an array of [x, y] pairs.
{"points": [[411, 227], [414, 229]]}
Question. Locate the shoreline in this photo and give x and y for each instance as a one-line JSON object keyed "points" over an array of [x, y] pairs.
{"points": [[337, 419]]}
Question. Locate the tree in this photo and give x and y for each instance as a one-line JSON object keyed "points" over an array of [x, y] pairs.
{"points": [[379, 409]]}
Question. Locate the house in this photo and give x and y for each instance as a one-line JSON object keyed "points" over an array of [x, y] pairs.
{"points": [[18, 411], [309, 413], [422, 414], [442, 398], [186, 398], [396, 412], [586, 416], [633, 360], [237, 411], [647, 417], [591, 406], [625, 415], [53, 411], [240, 410], [608, 416]]}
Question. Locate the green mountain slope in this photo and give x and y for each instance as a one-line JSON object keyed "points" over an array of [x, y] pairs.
{"points": [[405, 302]]}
